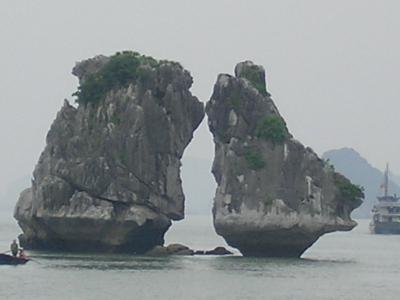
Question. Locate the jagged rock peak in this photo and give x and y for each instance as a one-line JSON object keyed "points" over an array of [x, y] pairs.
{"points": [[253, 73], [275, 197], [109, 176]]}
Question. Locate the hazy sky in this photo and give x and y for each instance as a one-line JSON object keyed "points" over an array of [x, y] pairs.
{"points": [[333, 66]]}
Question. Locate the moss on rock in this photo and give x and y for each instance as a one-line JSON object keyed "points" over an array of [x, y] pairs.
{"points": [[272, 128], [122, 69], [254, 159]]}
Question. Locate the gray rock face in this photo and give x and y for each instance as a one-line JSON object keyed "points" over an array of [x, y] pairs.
{"points": [[275, 197], [109, 177]]}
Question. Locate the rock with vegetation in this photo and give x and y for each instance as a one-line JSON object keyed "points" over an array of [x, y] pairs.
{"points": [[109, 176], [275, 197], [351, 164]]}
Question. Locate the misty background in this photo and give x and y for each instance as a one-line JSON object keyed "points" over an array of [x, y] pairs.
{"points": [[332, 69]]}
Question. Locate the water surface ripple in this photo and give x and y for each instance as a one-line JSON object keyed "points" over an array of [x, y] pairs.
{"points": [[352, 265]]}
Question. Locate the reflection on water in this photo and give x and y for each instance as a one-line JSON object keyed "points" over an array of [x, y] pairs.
{"points": [[236, 263], [351, 265], [105, 262]]}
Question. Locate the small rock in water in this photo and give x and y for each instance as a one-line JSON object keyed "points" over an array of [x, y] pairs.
{"points": [[215, 251], [218, 251], [172, 249], [157, 251], [179, 249]]}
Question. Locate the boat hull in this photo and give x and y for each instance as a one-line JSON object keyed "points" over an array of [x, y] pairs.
{"points": [[12, 260], [385, 228]]}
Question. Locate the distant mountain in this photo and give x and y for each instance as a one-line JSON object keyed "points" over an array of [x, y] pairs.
{"points": [[11, 194], [351, 164]]}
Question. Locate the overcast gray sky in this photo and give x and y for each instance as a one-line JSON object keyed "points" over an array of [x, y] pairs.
{"points": [[333, 66]]}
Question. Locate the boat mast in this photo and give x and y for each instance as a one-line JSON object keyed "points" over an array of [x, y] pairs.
{"points": [[386, 183]]}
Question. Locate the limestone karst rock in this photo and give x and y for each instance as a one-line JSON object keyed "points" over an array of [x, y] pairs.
{"points": [[109, 176], [275, 197]]}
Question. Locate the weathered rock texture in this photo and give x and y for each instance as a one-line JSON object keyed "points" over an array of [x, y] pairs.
{"points": [[109, 177], [274, 196]]}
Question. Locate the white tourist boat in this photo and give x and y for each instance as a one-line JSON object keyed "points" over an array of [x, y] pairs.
{"points": [[386, 212]]}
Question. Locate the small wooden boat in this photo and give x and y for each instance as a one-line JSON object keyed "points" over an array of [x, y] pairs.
{"points": [[6, 259]]}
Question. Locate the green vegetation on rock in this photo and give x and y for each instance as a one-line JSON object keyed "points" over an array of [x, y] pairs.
{"points": [[268, 201], [349, 191], [254, 159], [116, 119], [235, 100], [327, 164], [122, 69], [272, 129], [253, 75]]}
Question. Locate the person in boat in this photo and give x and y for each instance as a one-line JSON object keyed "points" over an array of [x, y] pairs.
{"points": [[21, 253], [14, 248]]}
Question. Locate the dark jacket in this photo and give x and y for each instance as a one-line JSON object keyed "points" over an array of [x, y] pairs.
{"points": [[14, 248]]}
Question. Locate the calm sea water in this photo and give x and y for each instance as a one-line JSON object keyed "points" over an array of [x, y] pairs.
{"points": [[354, 265]]}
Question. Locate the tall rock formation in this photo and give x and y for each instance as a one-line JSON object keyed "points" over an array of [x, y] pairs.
{"points": [[109, 177], [275, 197]]}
